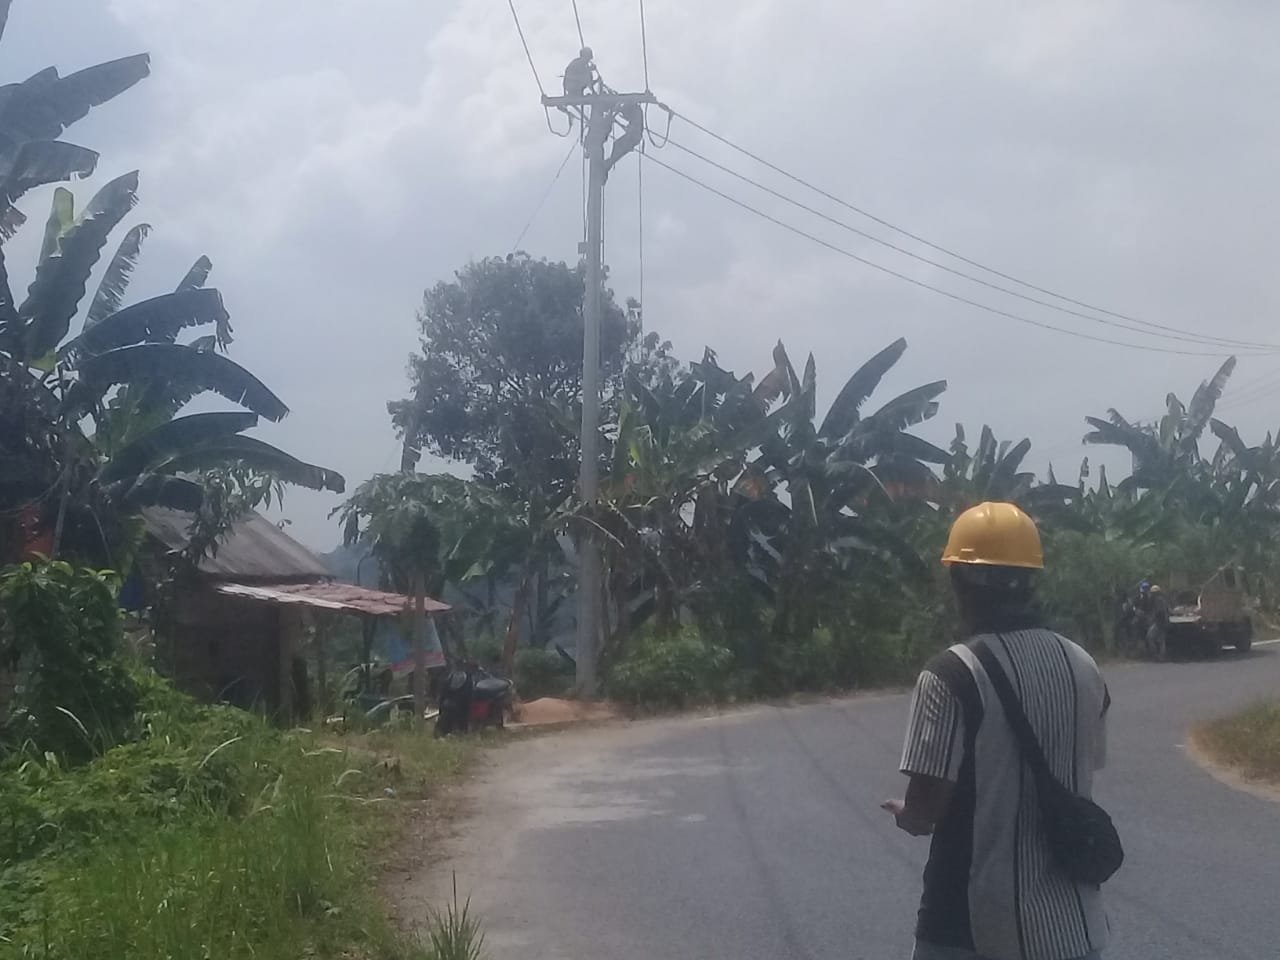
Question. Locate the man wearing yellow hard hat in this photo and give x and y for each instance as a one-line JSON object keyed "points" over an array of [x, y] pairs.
{"points": [[1005, 733]]}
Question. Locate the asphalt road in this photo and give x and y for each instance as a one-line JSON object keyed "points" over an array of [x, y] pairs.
{"points": [[757, 834]]}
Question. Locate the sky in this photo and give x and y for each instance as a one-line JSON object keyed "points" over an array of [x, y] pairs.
{"points": [[335, 158]]}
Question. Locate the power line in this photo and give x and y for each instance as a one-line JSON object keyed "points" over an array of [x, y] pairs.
{"points": [[920, 283], [1258, 388], [1198, 338], [949, 252], [543, 199], [1246, 398], [1234, 392], [525, 43], [644, 47], [578, 20]]}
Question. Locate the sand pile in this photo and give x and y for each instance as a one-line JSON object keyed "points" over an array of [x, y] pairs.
{"points": [[549, 710]]}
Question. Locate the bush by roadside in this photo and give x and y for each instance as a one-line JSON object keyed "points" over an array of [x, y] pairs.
{"points": [[1248, 741], [542, 673], [670, 669]]}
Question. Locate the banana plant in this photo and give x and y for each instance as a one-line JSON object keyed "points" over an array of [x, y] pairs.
{"points": [[95, 419], [991, 472], [830, 487], [36, 111], [718, 478], [668, 509], [445, 531], [1167, 452]]}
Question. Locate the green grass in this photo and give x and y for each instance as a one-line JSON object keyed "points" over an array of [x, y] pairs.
{"points": [[1248, 741], [214, 837], [454, 933]]}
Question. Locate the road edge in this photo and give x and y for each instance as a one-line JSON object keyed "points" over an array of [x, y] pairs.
{"points": [[1227, 775]]}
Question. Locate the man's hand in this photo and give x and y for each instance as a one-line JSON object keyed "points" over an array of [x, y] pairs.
{"points": [[907, 820]]}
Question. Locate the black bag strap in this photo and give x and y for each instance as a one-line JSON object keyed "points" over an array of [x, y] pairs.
{"points": [[1031, 750]]}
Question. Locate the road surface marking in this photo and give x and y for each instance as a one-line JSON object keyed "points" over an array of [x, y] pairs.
{"points": [[1266, 643]]}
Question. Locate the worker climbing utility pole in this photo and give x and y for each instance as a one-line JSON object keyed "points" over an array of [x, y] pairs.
{"points": [[597, 106]]}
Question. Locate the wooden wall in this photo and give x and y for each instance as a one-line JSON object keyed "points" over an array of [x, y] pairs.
{"points": [[226, 649]]}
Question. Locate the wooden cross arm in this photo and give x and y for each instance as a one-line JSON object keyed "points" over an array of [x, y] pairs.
{"points": [[600, 100]]}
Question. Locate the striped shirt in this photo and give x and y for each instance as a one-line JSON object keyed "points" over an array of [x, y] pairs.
{"points": [[990, 885]]}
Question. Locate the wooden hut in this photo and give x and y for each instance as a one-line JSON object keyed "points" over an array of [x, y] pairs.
{"points": [[235, 631]]}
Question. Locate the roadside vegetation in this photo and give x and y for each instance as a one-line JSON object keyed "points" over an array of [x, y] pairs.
{"points": [[755, 544], [1247, 742], [140, 824]]}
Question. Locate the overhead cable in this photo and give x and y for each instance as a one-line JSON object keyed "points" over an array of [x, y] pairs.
{"points": [[545, 194], [525, 43], [950, 252], [920, 283], [1202, 339]]}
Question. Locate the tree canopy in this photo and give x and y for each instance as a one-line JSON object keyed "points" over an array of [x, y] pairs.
{"points": [[497, 383]]}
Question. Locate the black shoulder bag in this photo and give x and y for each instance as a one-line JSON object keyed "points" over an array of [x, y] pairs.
{"points": [[1082, 838]]}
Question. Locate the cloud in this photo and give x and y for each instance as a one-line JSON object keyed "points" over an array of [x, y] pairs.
{"points": [[335, 159]]}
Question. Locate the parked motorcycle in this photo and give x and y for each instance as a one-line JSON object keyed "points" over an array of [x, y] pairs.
{"points": [[472, 698]]}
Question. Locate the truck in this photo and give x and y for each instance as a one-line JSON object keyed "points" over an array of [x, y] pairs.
{"points": [[1212, 617]]}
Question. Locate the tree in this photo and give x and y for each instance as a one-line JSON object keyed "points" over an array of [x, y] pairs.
{"points": [[497, 383], [396, 510], [429, 531], [500, 346]]}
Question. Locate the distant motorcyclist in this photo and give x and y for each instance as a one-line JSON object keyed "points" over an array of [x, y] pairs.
{"points": [[1147, 616]]}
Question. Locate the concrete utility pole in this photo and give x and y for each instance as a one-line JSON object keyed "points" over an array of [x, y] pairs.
{"points": [[604, 106]]}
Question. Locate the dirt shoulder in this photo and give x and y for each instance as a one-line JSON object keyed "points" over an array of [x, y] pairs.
{"points": [[1242, 750]]}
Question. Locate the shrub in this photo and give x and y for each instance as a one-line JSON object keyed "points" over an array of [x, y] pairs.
{"points": [[672, 669], [182, 766], [542, 673], [1086, 576], [61, 625], [802, 663], [486, 650]]}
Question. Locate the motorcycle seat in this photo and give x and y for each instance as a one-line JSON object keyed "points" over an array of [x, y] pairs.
{"points": [[492, 686]]}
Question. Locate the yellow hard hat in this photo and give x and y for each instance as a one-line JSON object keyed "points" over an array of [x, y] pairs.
{"points": [[994, 534]]}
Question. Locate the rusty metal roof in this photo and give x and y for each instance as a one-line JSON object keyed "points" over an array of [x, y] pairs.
{"points": [[254, 549], [341, 597]]}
